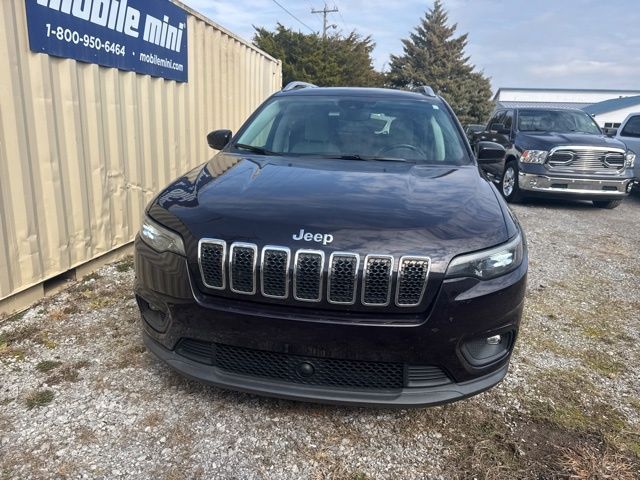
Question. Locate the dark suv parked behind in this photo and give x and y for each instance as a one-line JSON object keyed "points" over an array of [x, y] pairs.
{"points": [[557, 153], [342, 247]]}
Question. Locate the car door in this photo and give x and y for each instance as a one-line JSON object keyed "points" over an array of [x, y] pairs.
{"points": [[629, 133]]}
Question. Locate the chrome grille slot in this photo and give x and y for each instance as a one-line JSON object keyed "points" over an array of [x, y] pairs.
{"points": [[274, 272], [413, 273], [343, 277], [376, 290], [242, 268], [614, 160], [307, 275], [211, 258], [586, 159]]}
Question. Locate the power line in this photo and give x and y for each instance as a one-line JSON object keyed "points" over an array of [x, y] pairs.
{"points": [[299, 21]]}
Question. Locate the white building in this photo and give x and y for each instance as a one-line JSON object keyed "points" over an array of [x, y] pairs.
{"points": [[610, 113], [556, 97]]}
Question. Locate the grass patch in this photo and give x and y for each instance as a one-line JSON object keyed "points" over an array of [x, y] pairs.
{"points": [[9, 339], [68, 372], [603, 363], [7, 351], [588, 462], [39, 398], [125, 265], [131, 356], [47, 365], [91, 276]]}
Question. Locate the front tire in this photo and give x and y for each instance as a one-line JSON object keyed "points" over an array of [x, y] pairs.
{"points": [[608, 204], [509, 186]]}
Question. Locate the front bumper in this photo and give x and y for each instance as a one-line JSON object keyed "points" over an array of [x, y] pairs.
{"points": [[465, 310], [564, 185], [406, 397]]}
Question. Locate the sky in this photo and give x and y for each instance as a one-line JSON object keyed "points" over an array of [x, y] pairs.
{"points": [[516, 43]]}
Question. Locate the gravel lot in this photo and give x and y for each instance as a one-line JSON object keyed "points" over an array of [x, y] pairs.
{"points": [[81, 398]]}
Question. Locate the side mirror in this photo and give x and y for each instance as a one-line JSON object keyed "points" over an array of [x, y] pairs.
{"points": [[218, 139], [490, 152], [500, 128]]}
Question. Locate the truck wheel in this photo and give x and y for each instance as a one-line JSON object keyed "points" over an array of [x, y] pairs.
{"points": [[608, 204], [509, 186]]}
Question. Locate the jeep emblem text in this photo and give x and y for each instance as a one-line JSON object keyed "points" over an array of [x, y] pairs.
{"points": [[313, 237]]}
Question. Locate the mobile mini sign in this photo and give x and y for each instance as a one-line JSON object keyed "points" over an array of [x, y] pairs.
{"points": [[143, 36]]}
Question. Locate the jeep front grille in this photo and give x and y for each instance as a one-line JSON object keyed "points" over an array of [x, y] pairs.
{"points": [[343, 278], [242, 268], [307, 275], [212, 255], [412, 280], [276, 268], [275, 271], [586, 159], [376, 288]]}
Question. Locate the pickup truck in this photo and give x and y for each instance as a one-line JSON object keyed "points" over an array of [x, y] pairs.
{"points": [[559, 153]]}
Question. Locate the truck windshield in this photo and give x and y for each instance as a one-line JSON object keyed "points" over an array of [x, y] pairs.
{"points": [[418, 131], [561, 121]]}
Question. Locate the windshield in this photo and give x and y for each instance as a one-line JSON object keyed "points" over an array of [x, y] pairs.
{"points": [[355, 128], [561, 121]]}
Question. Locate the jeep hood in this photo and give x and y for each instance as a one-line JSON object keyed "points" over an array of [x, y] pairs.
{"points": [[368, 207]]}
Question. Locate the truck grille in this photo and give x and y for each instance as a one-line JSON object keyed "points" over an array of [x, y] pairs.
{"points": [[586, 159], [323, 371], [305, 269]]}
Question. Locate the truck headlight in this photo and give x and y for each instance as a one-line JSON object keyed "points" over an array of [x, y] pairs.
{"points": [[160, 238], [490, 263], [534, 156], [629, 159]]}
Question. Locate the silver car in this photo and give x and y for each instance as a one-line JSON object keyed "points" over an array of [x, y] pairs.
{"points": [[629, 133]]}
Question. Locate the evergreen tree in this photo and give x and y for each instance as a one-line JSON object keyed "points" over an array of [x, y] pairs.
{"points": [[433, 56], [336, 61]]}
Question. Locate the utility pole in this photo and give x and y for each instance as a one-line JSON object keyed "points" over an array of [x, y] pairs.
{"points": [[325, 11]]}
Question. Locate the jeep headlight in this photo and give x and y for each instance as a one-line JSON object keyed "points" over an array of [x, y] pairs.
{"points": [[490, 263], [534, 156], [629, 159], [160, 238]]}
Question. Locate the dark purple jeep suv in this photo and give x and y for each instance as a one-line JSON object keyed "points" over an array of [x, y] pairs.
{"points": [[342, 247]]}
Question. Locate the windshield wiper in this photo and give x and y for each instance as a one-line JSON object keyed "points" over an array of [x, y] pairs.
{"points": [[369, 158], [258, 150]]}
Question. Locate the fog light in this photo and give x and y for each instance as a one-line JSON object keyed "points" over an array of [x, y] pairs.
{"points": [[486, 350], [153, 315], [629, 187]]}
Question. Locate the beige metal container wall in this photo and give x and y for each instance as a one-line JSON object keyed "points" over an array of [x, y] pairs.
{"points": [[83, 148]]}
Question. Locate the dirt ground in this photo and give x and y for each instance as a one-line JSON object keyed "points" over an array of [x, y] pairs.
{"points": [[81, 398]]}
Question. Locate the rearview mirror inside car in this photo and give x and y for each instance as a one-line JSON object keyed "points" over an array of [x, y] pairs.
{"points": [[218, 139]]}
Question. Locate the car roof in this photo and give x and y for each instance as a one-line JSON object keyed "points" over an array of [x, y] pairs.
{"points": [[356, 92]]}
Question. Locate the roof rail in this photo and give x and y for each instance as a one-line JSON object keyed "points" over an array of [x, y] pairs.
{"points": [[298, 85], [425, 90]]}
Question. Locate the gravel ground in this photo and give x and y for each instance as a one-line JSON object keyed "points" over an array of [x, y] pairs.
{"points": [[81, 398]]}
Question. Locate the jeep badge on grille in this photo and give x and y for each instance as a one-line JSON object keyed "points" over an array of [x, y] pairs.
{"points": [[325, 239]]}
